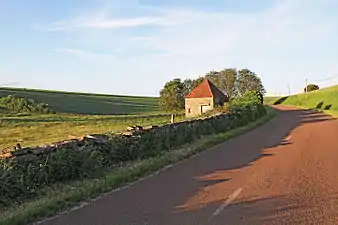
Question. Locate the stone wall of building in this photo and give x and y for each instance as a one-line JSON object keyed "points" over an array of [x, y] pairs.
{"points": [[193, 106]]}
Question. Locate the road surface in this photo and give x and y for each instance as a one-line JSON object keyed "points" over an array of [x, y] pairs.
{"points": [[284, 172]]}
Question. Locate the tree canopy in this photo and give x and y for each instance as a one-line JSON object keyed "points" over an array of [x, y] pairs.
{"points": [[249, 81], [230, 81], [311, 87], [172, 95]]}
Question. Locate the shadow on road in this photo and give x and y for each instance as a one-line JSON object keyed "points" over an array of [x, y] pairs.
{"points": [[242, 152]]}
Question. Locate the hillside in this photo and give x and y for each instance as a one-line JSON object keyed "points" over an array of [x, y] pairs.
{"points": [[325, 99], [84, 103]]}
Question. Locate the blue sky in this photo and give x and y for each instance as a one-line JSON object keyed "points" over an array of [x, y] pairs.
{"points": [[132, 47]]}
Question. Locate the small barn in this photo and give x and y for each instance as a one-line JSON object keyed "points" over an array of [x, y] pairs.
{"points": [[203, 98]]}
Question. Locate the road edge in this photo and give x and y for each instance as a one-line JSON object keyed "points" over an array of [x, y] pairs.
{"points": [[81, 193]]}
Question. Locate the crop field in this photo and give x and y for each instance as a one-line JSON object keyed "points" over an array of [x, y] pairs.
{"points": [[84, 103]]}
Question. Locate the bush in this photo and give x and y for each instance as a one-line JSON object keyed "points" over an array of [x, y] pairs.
{"points": [[311, 87], [24, 178], [23, 105]]}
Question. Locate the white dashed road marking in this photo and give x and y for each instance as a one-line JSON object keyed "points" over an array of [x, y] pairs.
{"points": [[230, 199]]}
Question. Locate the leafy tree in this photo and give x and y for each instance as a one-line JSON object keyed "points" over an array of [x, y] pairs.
{"points": [[190, 84], [249, 81], [228, 82], [225, 80], [311, 87], [172, 95]]}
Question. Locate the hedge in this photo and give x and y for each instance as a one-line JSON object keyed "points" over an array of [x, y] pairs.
{"points": [[23, 179]]}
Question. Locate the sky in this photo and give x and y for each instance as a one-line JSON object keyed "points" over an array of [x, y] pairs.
{"points": [[133, 47]]}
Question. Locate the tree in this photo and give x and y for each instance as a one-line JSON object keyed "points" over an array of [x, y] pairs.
{"points": [[172, 95], [249, 81], [189, 84], [311, 87], [213, 76], [225, 80]]}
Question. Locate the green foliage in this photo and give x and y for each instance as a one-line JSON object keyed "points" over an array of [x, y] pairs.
{"points": [[23, 179], [172, 96], [23, 105], [85, 103], [247, 107], [189, 84], [249, 81], [311, 87], [225, 80]]}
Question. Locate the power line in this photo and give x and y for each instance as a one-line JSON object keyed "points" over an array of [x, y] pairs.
{"points": [[326, 79]]}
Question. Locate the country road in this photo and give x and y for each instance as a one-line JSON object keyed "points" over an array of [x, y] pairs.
{"points": [[284, 172]]}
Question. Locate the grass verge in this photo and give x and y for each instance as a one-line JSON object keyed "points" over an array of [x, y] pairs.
{"points": [[69, 195]]}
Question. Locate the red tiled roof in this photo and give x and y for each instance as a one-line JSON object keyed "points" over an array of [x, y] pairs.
{"points": [[203, 90], [206, 90]]}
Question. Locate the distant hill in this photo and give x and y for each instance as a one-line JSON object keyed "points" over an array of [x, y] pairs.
{"points": [[325, 99], [85, 103]]}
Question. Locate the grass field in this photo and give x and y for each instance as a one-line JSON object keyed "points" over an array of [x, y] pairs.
{"points": [[41, 129], [83, 103], [270, 100], [325, 99]]}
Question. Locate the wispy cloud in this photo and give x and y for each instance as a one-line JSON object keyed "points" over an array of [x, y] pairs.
{"points": [[103, 23], [277, 42], [89, 55]]}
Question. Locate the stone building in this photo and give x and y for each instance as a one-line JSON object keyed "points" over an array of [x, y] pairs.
{"points": [[203, 99]]}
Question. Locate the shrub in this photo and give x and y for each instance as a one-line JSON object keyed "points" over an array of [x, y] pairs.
{"points": [[23, 105], [311, 87]]}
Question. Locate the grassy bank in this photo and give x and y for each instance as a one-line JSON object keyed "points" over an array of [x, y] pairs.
{"points": [[325, 100], [67, 196], [270, 100], [84, 103]]}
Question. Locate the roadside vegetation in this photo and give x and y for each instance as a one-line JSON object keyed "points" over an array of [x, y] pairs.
{"points": [[114, 163], [325, 99]]}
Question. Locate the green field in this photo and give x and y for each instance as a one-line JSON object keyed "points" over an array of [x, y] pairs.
{"points": [[270, 100], [42, 129], [83, 103], [325, 99], [77, 114]]}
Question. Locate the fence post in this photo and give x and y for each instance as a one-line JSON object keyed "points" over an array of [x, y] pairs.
{"points": [[172, 118]]}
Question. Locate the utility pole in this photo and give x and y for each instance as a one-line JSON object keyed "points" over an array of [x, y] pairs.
{"points": [[289, 89], [306, 87]]}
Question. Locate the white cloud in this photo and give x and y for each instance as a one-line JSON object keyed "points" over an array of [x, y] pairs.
{"points": [[281, 43], [103, 23]]}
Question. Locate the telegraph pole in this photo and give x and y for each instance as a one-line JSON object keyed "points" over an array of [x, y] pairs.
{"points": [[289, 89], [306, 87]]}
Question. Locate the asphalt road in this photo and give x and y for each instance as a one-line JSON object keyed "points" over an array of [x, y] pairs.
{"points": [[284, 172]]}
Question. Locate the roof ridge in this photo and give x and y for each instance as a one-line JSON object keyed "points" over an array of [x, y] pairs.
{"points": [[209, 87]]}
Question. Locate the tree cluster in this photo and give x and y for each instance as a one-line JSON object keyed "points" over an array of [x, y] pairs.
{"points": [[23, 105], [231, 82], [311, 87]]}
